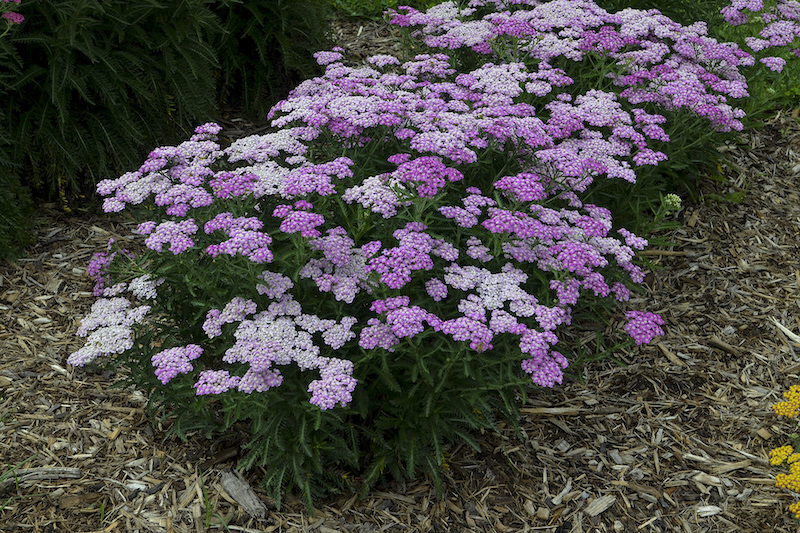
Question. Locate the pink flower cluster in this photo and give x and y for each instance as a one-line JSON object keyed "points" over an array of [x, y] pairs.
{"points": [[12, 17], [658, 60], [781, 26]]}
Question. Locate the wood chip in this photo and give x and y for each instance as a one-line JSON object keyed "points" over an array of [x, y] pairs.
{"points": [[598, 505], [235, 485]]}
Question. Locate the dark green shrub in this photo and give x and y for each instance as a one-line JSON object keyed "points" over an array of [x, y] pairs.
{"points": [[15, 216], [267, 49], [15, 222], [103, 81]]}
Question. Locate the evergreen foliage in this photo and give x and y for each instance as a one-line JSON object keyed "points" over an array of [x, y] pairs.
{"points": [[266, 49]]}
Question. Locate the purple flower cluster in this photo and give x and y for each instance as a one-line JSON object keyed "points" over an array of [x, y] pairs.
{"points": [[176, 234], [109, 327], [281, 335], [342, 268], [427, 173], [173, 361], [415, 251], [643, 327], [781, 27], [244, 237], [98, 270], [659, 60], [298, 218], [235, 311]]}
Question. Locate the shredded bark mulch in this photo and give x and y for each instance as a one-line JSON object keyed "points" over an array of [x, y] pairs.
{"points": [[676, 440]]}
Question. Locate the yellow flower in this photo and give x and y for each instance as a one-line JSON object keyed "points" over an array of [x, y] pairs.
{"points": [[795, 508], [791, 406], [779, 455], [790, 481]]}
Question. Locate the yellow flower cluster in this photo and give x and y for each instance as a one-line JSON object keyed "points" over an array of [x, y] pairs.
{"points": [[790, 481], [795, 508], [779, 455], [791, 406]]}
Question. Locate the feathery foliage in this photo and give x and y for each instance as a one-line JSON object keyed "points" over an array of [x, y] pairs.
{"points": [[266, 49]]}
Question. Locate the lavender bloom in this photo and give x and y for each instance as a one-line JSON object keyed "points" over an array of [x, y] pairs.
{"points": [[235, 311], [336, 385], [243, 239], [259, 380], [276, 285], [173, 361], [395, 265], [215, 382], [428, 174], [232, 184], [316, 178], [643, 327], [144, 287], [775, 64], [343, 269], [477, 251], [376, 193], [376, 334], [111, 325], [436, 289], [174, 233], [98, 269], [274, 338], [546, 370], [296, 219]]}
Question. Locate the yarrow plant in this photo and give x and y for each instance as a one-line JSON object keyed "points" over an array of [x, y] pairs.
{"points": [[788, 456], [11, 17], [394, 264]]}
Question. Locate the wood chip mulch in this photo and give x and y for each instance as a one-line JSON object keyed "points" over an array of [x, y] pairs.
{"points": [[677, 440]]}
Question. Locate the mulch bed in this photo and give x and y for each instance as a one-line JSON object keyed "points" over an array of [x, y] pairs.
{"points": [[677, 440]]}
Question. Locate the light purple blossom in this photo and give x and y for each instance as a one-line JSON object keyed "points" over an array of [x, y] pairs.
{"points": [[109, 327], [297, 219], [546, 369], [643, 326], [176, 234], [144, 287], [243, 237], [775, 64], [335, 386], [173, 361], [275, 285], [235, 311], [215, 382], [436, 289]]}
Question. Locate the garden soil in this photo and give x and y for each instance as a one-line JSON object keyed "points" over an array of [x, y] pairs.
{"points": [[677, 439]]}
